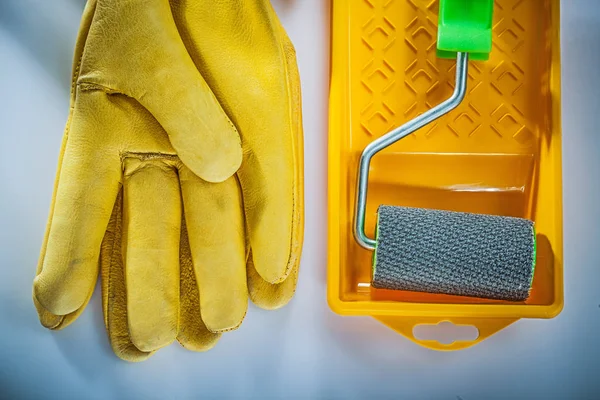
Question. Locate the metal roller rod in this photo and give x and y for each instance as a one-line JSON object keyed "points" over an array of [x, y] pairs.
{"points": [[392, 137]]}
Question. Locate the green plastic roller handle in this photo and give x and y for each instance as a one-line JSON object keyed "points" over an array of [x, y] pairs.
{"points": [[465, 26]]}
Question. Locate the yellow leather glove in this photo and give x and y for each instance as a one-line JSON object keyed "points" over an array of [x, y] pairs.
{"points": [[180, 176]]}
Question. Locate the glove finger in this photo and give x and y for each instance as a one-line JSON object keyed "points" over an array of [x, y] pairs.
{"points": [[134, 48], [48, 319], [267, 295], [84, 196], [274, 199], [58, 322], [214, 220], [193, 334], [114, 295], [151, 223], [260, 92]]}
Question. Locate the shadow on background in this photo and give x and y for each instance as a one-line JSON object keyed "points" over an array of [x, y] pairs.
{"points": [[36, 24], [73, 341]]}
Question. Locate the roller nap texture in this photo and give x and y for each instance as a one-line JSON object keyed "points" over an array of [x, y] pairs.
{"points": [[448, 252]]}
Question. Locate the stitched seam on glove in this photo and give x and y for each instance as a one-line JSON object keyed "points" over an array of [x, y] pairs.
{"points": [[293, 235], [149, 156], [90, 86], [229, 329]]}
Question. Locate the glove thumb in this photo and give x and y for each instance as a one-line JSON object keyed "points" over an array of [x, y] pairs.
{"points": [[135, 49]]}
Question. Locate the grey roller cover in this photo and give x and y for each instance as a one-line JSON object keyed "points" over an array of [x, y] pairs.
{"points": [[465, 254]]}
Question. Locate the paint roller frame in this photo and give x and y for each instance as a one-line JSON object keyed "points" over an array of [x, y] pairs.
{"points": [[463, 28]]}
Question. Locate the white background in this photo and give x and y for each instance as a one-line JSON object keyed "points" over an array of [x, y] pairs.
{"points": [[302, 350]]}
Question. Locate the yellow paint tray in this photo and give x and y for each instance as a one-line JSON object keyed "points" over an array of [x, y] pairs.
{"points": [[498, 153]]}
